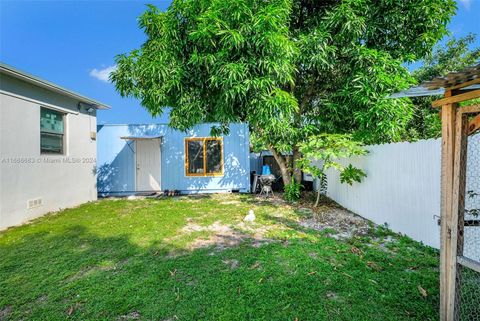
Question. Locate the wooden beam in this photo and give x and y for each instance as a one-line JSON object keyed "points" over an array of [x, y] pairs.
{"points": [[474, 125], [457, 98], [471, 264], [472, 109], [448, 144]]}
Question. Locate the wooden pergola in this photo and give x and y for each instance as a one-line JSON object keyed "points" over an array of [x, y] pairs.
{"points": [[457, 123]]}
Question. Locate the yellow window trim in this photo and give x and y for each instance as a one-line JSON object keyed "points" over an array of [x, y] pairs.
{"points": [[204, 140]]}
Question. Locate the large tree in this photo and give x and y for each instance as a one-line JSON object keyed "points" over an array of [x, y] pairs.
{"points": [[290, 68]]}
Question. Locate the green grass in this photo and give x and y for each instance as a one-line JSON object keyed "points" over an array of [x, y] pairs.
{"points": [[120, 260]]}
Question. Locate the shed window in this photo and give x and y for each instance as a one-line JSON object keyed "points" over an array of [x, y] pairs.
{"points": [[52, 129], [204, 156]]}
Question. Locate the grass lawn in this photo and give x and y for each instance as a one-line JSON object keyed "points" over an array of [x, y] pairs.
{"points": [[193, 258]]}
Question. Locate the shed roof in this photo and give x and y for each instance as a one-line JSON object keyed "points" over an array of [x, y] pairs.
{"points": [[467, 79], [141, 137], [11, 71], [454, 79]]}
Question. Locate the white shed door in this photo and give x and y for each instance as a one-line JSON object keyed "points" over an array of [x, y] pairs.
{"points": [[148, 165]]}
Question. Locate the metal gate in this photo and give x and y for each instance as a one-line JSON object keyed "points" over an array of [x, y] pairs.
{"points": [[467, 163]]}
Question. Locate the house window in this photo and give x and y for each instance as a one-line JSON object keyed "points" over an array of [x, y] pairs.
{"points": [[204, 156], [52, 129]]}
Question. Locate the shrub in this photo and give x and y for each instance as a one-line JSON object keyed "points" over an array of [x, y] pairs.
{"points": [[292, 191]]}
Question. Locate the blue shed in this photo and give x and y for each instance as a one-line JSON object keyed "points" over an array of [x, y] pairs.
{"points": [[151, 158]]}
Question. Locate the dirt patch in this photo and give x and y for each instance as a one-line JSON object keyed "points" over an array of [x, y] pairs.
{"points": [[5, 312], [134, 315], [89, 270], [342, 223], [224, 236], [233, 264], [230, 202], [256, 266], [275, 200], [338, 222], [83, 273], [383, 243], [191, 198], [333, 296], [42, 299]]}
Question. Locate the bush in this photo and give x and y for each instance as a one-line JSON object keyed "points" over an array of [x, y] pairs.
{"points": [[292, 191]]}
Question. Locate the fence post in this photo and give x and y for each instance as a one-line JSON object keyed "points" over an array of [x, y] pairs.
{"points": [[447, 275]]}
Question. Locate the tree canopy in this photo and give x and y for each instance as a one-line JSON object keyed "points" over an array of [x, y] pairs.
{"points": [[453, 55], [290, 68]]}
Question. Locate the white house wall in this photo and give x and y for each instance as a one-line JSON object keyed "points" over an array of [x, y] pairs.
{"points": [[60, 181]]}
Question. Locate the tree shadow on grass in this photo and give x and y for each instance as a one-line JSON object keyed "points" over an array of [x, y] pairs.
{"points": [[79, 275]]}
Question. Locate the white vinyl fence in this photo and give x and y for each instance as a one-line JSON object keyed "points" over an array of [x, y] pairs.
{"points": [[402, 188]]}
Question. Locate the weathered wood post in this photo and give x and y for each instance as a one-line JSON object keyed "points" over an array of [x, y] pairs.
{"points": [[455, 130], [447, 269]]}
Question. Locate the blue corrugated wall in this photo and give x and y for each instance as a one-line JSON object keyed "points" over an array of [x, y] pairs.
{"points": [[116, 159]]}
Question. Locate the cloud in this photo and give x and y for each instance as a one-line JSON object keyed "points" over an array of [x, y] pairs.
{"points": [[102, 74], [466, 3]]}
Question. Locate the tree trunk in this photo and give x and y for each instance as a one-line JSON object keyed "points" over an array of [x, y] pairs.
{"points": [[286, 176], [320, 185], [318, 198], [297, 172]]}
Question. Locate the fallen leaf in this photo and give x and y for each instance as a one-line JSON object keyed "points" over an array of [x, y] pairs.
{"points": [[356, 250], [373, 265], [70, 311], [423, 292]]}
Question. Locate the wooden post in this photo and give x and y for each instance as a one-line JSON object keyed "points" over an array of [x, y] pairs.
{"points": [[458, 209], [447, 276]]}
